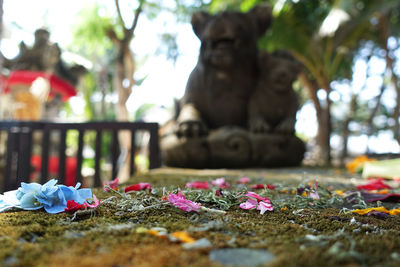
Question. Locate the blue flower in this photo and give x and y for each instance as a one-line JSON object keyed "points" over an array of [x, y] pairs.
{"points": [[52, 197], [9, 200]]}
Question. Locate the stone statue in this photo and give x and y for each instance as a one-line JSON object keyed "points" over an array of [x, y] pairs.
{"points": [[273, 105], [44, 56], [239, 107]]}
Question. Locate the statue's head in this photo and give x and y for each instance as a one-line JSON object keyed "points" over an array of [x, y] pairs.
{"points": [[283, 70], [229, 38], [42, 37]]}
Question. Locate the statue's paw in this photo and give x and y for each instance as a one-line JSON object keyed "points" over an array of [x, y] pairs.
{"points": [[259, 126], [191, 128], [286, 127]]}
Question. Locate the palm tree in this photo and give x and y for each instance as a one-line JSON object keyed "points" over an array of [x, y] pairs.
{"points": [[327, 53]]}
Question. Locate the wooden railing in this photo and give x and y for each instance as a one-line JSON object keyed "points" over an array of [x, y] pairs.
{"points": [[18, 154]]}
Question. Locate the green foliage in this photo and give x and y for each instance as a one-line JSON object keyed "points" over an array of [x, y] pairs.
{"points": [[90, 31]]}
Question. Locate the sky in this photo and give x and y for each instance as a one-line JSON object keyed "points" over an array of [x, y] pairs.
{"points": [[164, 80]]}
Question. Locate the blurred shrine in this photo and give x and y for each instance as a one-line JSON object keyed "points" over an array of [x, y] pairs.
{"points": [[36, 82]]}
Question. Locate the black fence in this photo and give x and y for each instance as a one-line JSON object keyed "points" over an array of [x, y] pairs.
{"points": [[18, 151]]}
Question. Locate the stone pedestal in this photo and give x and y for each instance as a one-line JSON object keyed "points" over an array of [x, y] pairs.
{"points": [[232, 147]]}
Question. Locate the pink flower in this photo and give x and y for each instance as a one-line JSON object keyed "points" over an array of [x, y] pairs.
{"points": [[137, 187], [249, 204], [220, 182], [243, 180], [197, 185], [95, 202], [262, 186], [110, 184], [256, 201], [257, 196], [180, 201], [314, 195], [263, 207]]}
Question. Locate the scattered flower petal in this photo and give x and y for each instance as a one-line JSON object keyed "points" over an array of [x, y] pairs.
{"points": [[365, 211], [110, 184], [72, 206], [357, 164], [243, 180], [314, 195], [263, 207], [183, 237], [179, 200], [263, 186], [374, 185], [198, 185], [394, 211], [258, 197], [249, 204], [94, 202], [220, 182], [137, 187]]}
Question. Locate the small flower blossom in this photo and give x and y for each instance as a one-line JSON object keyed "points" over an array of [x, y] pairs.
{"points": [[110, 184], [73, 206], [374, 185], [263, 186], [255, 201], [314, 195], [50, 196], [180, 201], [243, 180], [137, 187], [198, 185], [263, 207], [249, 204], [258, 197], [220, 182]]}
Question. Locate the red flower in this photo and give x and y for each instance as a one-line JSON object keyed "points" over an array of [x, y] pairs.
{"points": [[137, 187], [197, 185], [374, 185], [72, 206], [262, 186]]}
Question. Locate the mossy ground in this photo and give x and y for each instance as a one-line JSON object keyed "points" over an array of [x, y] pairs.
{"points": [[108, 237]]}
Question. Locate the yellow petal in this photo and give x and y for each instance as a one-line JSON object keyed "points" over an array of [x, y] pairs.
{"points": [[339, 192], [394, 211], [365, 211], [183, 237]]}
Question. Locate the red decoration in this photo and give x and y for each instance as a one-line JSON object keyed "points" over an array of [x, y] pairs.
{"points": [[57, 84]]}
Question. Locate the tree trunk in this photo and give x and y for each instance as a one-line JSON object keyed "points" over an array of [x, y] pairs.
{"points": [[384, 36], [123, 70], [346, 131], [324, 135], [323, 118]]}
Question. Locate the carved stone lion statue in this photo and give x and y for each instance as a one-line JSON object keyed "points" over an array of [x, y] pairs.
{"points": [[239, 107]]}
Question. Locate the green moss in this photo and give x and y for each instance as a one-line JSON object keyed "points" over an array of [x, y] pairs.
{"points": [[298, 237]]}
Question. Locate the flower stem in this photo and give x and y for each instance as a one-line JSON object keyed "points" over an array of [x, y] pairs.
{"points": [[212, 210]]}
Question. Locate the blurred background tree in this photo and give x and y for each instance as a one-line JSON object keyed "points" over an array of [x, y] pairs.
{"points": [[329, 37], [349, 50]]}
